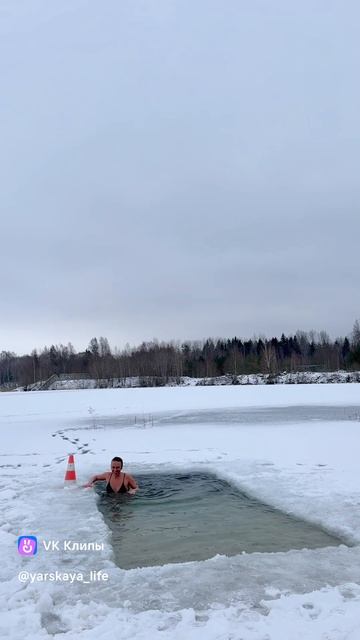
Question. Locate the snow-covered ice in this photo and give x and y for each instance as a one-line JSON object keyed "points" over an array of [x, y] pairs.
{"points": [[307, 466]]}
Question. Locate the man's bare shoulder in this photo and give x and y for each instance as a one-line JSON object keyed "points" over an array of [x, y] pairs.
{"points": [[104, 476]]}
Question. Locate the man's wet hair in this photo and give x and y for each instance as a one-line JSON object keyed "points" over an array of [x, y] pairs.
{"points": [[117, 459]]}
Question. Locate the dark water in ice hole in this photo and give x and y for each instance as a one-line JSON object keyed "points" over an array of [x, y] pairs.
{"points": [[193, 516]]}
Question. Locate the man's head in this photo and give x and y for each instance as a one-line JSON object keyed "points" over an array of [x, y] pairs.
{"points": [[116, 465]]}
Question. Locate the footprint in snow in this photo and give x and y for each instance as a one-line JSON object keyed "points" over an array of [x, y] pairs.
{"points": [[314, 612]]}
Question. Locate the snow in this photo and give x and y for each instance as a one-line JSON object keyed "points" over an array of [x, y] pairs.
{"points": [[307, 467], [66, 381]]}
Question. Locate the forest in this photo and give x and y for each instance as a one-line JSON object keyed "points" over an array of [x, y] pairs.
{"points": [[159, 361]]}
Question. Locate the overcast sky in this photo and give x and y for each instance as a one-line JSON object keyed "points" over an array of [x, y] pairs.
{"points": [[178, 169]]}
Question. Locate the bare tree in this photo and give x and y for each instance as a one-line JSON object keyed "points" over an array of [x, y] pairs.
{"points": [[355, 335]]}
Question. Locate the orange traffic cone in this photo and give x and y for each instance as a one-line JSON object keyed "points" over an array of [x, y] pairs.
{"points": [[70, 475]]}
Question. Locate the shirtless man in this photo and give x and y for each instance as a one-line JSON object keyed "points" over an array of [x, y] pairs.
{"points": [[116, 480]]}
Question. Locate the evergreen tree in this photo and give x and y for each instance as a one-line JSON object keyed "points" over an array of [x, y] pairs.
{"points": [[345, 349]]}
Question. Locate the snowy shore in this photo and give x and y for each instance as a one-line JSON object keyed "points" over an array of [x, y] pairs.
{"points": [[66, 381]]}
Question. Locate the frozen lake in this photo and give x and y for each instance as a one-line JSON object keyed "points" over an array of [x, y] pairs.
{"points": [[292, 448], [232, 415]]}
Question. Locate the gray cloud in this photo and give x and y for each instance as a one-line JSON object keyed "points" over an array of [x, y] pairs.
{"points": [[174, 170]]}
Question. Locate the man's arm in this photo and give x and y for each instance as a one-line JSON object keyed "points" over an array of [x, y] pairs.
{"points": [[100, 476], [131, 483]]}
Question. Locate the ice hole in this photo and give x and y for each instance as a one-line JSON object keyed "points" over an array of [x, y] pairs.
{"points": [[181, 517]]}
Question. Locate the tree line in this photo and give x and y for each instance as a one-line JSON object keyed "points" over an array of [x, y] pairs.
{"points": [[156, 362]]}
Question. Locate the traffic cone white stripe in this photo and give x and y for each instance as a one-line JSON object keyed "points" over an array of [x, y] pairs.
{"points": [[70, 475]]}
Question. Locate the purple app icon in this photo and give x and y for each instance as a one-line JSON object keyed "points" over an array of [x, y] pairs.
{"points": [[27, 545]]}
